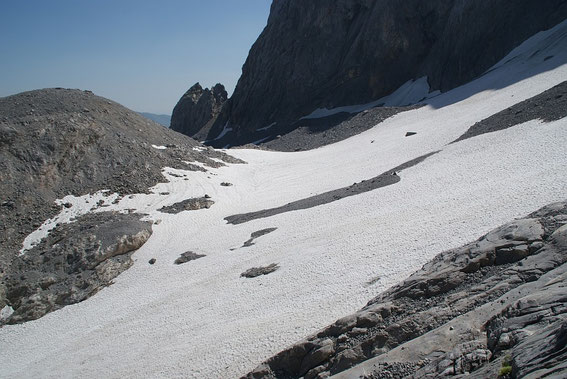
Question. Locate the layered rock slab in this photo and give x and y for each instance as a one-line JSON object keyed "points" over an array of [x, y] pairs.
{"points": [[470, 310], [73, 263]]}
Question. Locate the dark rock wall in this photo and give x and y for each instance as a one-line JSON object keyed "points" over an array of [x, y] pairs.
{"points": [[332, 53], [197, 109]]}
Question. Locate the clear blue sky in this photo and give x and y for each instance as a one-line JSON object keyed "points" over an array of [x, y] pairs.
{"points": [[143, 54]]}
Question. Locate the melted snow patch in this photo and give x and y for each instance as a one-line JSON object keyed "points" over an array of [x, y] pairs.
{"points": [[73, 207]]}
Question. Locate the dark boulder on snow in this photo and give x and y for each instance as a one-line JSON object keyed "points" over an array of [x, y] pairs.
{"points": [[197, 110], [315, 54], [192, 204], [259, 271], [188, 256]]}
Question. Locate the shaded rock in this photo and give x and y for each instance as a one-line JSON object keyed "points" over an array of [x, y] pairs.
{"points": [[226, 184], [188, 205], [408, 134], [152, 261], [314, 54], [318, 355], [188, 256], [73, 263], [198, 109], [382, 180], [555, 100], [258, 234], [258, 271], [307, 134]]}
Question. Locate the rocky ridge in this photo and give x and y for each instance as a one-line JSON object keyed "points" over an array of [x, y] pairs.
{"points": [[197, 110], [316, 54], [494, 306], [59, 142]]}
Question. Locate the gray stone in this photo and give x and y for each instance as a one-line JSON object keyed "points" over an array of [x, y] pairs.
{"points": [[258, 271], [188, 205], [318, 355], [187, 257]]}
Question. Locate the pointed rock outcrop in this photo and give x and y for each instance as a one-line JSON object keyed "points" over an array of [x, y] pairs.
{"points": [[197, 110]]}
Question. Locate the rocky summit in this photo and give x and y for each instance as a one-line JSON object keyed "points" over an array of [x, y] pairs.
{"points": [[197, 110], [320, 54]]}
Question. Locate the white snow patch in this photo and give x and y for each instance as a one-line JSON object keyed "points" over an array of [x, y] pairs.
{"points": [[78, 206], [410, 92], [159, 147], [199, 164]]}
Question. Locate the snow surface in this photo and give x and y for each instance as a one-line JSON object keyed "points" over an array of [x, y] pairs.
{"points": [[159, 147], [202, 320], [411, 92]]}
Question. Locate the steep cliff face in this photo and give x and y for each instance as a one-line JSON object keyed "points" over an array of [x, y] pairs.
{"points": [[325, 54], [197, 110]]}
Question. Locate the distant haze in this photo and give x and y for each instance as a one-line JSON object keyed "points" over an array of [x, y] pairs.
{"points": [[142, 54], [163, 119]]}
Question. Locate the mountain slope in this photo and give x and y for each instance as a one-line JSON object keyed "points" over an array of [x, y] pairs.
{"points": [[203, 319], [58, 143], [317, 54]]}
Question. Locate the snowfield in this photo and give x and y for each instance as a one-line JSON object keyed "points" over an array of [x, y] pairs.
{"points": [[202, 320]]}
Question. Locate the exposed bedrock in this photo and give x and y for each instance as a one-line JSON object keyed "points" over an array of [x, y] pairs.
{"points": [[72, 263], [319, 53], [495, 304], [197, 110], [58, 142]]}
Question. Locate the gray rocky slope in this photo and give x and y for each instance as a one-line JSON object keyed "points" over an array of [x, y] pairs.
{"points": [[494, 307], [318, 53], [58, 142], [197, 110]]}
